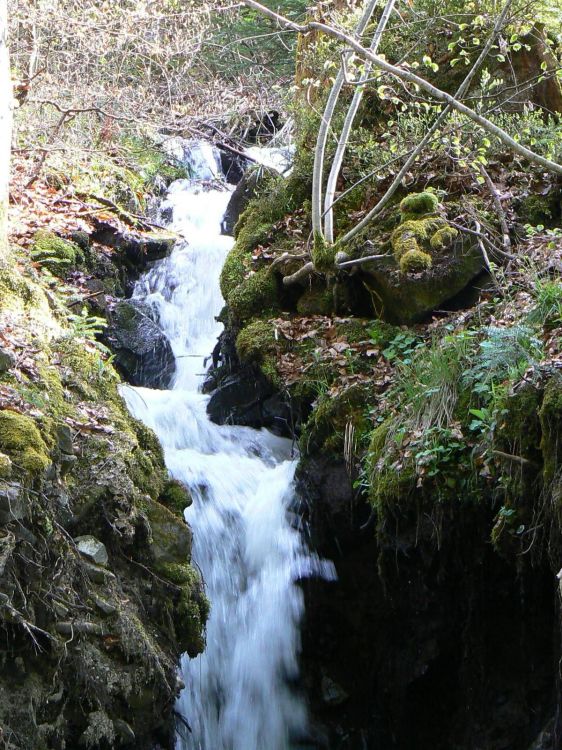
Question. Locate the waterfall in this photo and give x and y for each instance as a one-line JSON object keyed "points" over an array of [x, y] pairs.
{"points": [[239, 693]]}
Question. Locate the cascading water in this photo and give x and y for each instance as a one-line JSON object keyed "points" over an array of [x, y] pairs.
{"points": [[238, 694]]}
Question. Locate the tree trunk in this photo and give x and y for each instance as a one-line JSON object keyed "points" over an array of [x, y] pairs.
{"points": [[5, 129]]}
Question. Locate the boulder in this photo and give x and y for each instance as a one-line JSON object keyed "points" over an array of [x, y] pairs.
{"points": [[142, 351], [405, 298], [92, 548], [249, 399]]}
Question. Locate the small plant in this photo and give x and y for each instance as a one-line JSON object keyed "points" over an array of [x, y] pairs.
{"points": [[547, 295], [402, 347]]}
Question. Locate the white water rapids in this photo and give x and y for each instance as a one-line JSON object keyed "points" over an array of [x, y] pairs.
{"points": [[238, 693]]}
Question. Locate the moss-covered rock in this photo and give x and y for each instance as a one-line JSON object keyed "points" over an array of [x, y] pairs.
{"points": [[5, 466], [419, 204], [175, 496], [22, 442], [256, 295], [415, 261], [57, 255], [316, 300]]}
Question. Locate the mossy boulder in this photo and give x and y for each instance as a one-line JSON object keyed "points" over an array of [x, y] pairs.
{"points": [[421, 234], [175, 496], [171, 537], [431, 263], [256, 295], [54, 253], [21, 440]]}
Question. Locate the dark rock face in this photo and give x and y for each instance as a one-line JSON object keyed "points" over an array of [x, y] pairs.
{"points": [[248, 399], [142, 352], [437, 641], [244, 192], [233, 167]]}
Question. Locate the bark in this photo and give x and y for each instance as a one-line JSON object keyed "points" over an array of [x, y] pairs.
{"points": [[324, 129], [5, 130]]}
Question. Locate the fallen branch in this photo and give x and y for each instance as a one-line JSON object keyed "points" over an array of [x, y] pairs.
{"points": [[286, 258]]}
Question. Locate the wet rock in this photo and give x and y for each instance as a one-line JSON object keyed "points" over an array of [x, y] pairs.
{"points": [[250, 400], [233, 166], [14, 506], [92, 548], [332, 693], [242, 195], [142, 351], [7, 360], [140, 249]]}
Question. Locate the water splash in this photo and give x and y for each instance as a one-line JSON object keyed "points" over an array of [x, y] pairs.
{"points": [[239, 693]]}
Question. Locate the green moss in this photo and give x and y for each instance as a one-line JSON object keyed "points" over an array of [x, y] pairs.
{"points": [[316, 301], [237, 266], [22, 441], [388, 483], [175, 496], [255, 341], [419, 204], [193, 611], [538, 209], [5, 466], [256, 295], [177, 573], [353, 330], [443, 238], [325, 429], [323, 255], [551, 427], [415, 261], [54, 253]]}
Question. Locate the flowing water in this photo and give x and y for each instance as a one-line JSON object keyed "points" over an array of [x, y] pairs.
{"points": [[239, 693]]}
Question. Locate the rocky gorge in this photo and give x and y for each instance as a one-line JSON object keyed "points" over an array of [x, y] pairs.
{"points": [[328, 514]]}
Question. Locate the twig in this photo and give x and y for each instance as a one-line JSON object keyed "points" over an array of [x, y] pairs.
{"points": [[499, 208], [359, 261], [515, 459]]}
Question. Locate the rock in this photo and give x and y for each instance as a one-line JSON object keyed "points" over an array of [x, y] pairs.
{"points": [[103, 605], [96, 573], [171, 537], [242, 195], [406, 298], [7, 360], [142, 351], [249, 399], [124, 731], [5, 466], [332, 693], [92, 548], [13, 505], [64, 439], [233, 166], [139, 248]]}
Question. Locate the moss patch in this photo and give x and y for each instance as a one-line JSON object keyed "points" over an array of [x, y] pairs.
{"points": [[54, 253], [22, 441], [256, 295]]}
